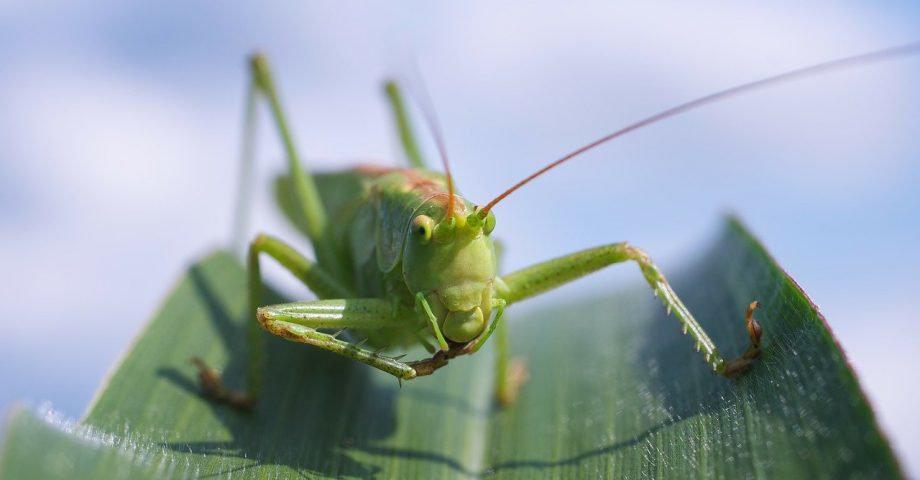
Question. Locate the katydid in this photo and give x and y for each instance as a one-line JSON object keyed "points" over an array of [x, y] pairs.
{"points": [[403, 259]]}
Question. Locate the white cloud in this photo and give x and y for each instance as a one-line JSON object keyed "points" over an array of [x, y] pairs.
{"points": [[123, 182], [620, 64]]}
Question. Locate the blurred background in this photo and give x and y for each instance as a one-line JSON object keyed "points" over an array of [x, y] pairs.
{"points": [[120, 126]]}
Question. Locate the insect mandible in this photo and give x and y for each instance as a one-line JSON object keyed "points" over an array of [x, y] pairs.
{"points": [[402, 259]]}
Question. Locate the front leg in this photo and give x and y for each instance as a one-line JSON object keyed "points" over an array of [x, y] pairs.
{"points": [[545, 276], [299, 321]]}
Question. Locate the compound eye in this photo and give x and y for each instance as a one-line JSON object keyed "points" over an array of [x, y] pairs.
{"points": [[489, 224], [422, 227]]}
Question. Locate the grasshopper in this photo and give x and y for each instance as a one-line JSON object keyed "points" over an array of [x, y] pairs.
{"points": [[403, 259]]}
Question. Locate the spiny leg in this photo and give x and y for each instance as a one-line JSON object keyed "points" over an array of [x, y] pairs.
{"points": [[553, 273], [410, 147], [299, 322], [310, 274]]}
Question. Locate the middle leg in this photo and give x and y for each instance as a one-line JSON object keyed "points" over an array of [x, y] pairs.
{"points": [[314, 277]]}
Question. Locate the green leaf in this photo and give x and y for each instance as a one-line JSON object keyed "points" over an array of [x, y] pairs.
{"points": [[615, 391]]}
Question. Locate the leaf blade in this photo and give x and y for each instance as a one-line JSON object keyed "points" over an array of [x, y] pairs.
{"points": [[619, 392]]}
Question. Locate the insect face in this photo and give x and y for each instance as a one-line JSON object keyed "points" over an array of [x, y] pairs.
{"points": [[451, 261]]}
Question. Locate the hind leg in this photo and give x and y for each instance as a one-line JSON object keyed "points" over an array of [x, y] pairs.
{"points": [[410, 147], [306, 195]]}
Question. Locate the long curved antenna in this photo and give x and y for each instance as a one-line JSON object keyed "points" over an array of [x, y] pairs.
{"points": [[425, 104], [856, 60]]}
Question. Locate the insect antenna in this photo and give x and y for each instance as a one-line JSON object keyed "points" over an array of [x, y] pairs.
{"points": [[805, 72], [427, 107]]}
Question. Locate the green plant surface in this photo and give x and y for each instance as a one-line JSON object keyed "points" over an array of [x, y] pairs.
{"points": [[614, 391]]}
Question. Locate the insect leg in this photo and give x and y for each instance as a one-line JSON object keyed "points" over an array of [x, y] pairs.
{"points": [[313, 277], [508, 376], [243, 200], [298, 322], [410, 147], [306, 194], [498, 305], [539, 278], [422, 304]]}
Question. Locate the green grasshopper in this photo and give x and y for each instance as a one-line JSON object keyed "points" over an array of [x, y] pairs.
{"points": [[402, 259]]}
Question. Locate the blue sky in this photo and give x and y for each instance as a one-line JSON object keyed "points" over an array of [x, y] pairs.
{"points": [[120, 128]]}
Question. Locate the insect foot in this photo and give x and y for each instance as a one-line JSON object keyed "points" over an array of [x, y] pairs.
{"points": [[734, 367], [516, 377], [212, 388], [440, 359]]}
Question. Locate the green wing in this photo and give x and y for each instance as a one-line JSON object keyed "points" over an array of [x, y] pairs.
{"points": [[342, 193], [337, 190], [395, 206], [345, 198]]}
